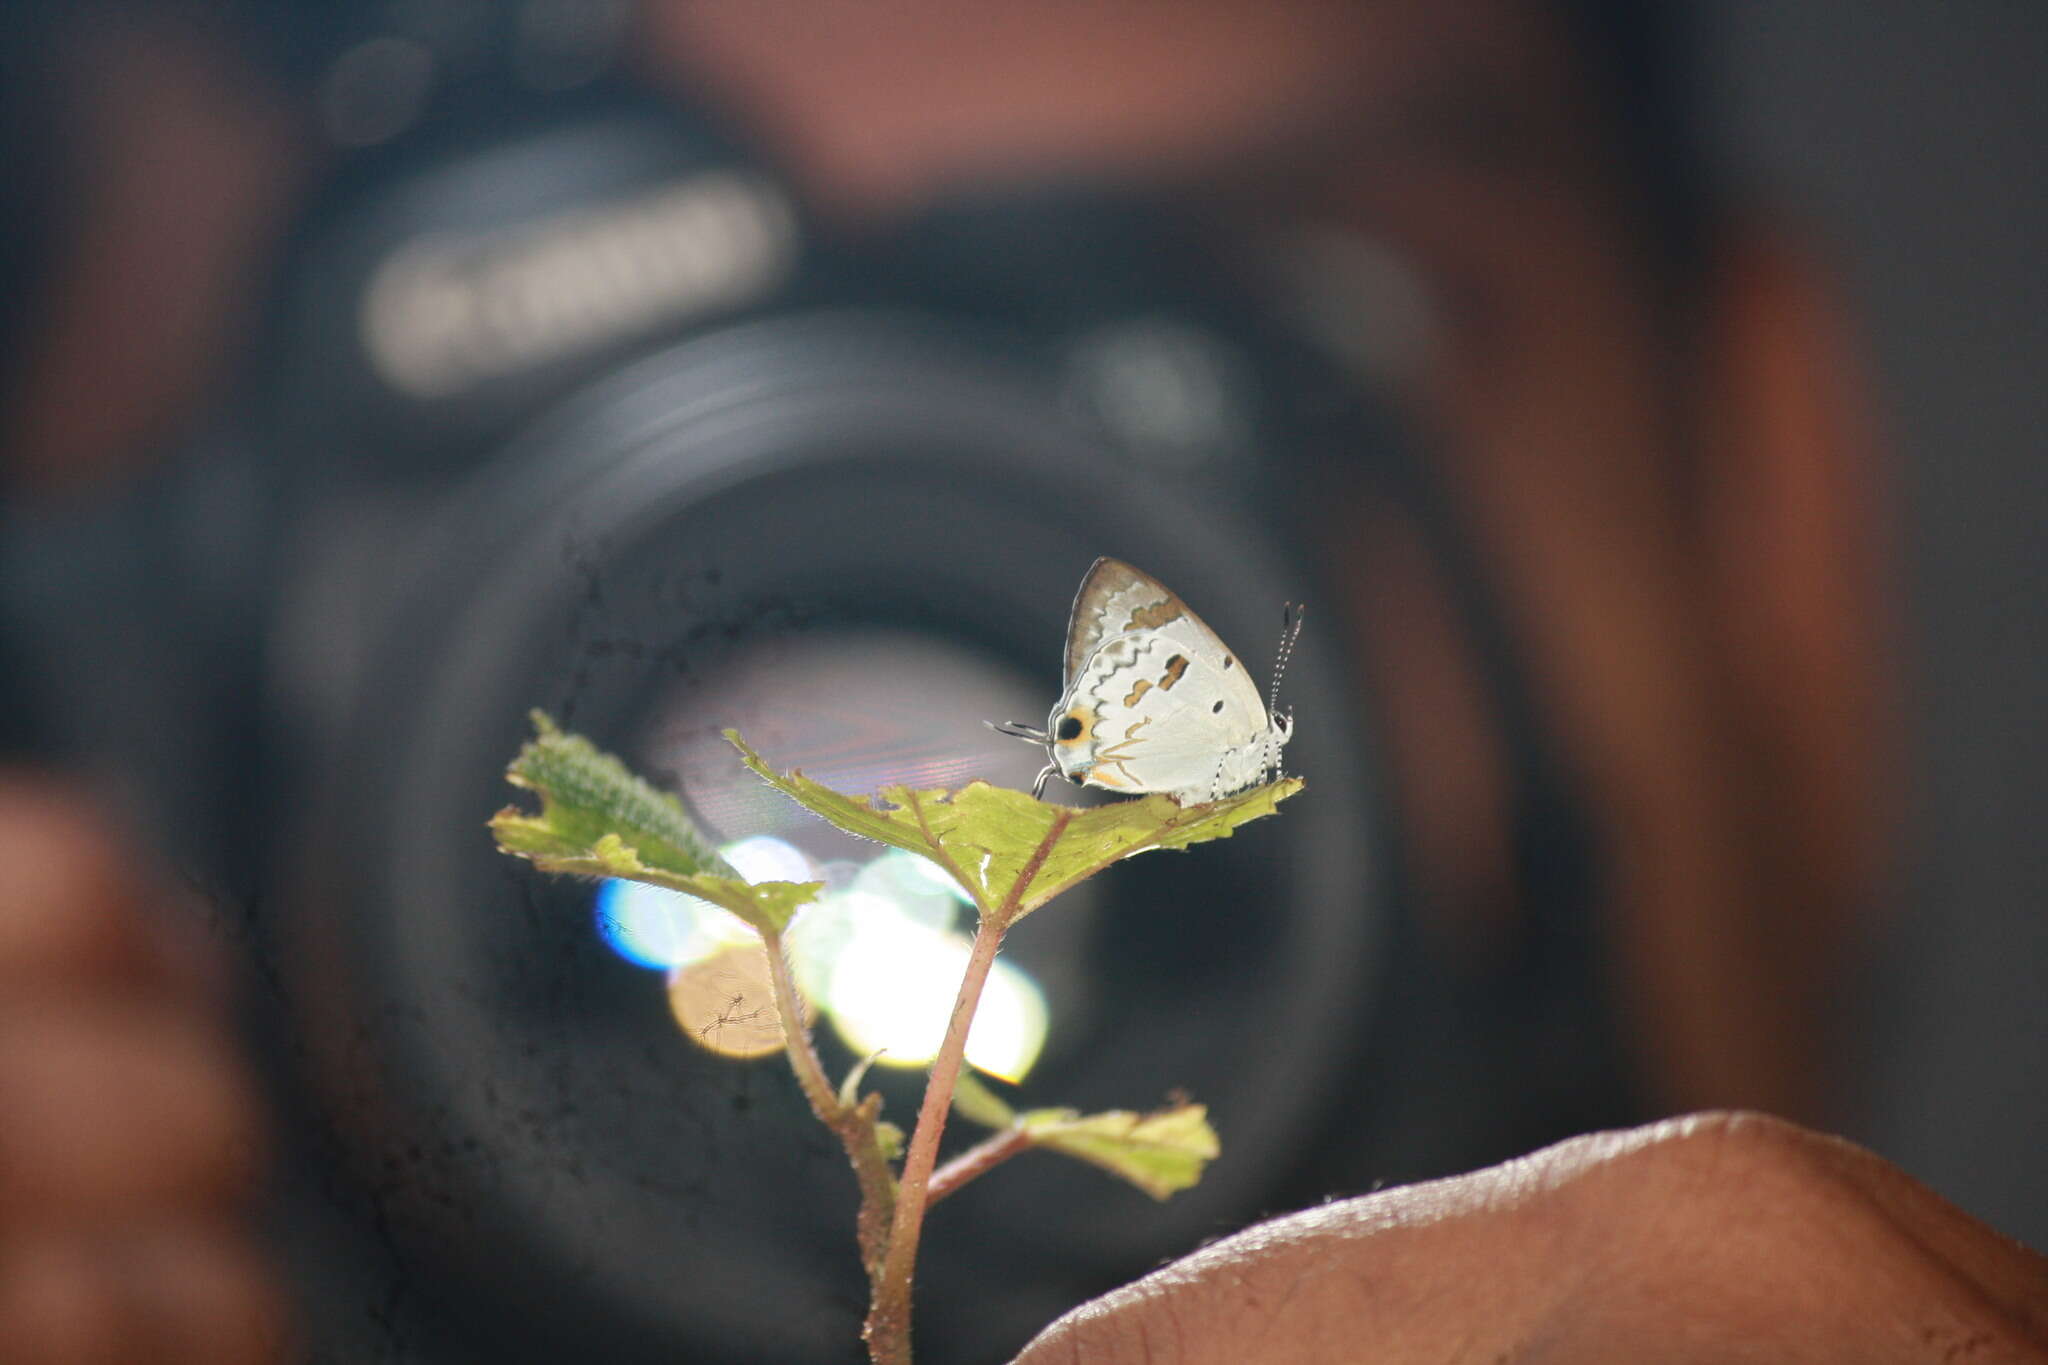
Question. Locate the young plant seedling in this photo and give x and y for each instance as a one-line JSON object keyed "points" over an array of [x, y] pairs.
{"points": [[1010, 852]]}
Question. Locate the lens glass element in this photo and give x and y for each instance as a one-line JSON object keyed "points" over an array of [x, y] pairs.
{"points": [[879, 955]]}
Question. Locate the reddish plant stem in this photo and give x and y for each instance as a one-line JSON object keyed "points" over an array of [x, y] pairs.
{"points": [[796, 1033], [853, 1125], [977, 1160], [888, 1325]]}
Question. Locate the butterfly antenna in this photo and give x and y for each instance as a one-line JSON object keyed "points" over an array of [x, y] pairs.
{"points": [[1290, 627]]}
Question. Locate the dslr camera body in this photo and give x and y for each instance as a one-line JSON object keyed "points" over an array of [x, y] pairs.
{"points": [[567, 399]]}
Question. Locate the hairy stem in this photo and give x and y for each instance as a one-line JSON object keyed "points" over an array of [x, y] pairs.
{"points": [[977, 1160], [888, 1324], [796, 1034], [853, 1124]]}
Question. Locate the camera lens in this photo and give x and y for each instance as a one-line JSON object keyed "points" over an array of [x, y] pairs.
{"points": [[881, 953], [855, 536]]}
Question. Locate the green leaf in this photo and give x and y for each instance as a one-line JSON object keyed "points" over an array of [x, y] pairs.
{"points": [[1011, 852], [586, 793], [599, 820], [849, 1089], [977, 1103], [1161, 1152]]}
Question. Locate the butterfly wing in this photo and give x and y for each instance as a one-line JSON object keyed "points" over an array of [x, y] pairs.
{"points": [[1155, 701], [1152, 718], [1116, 599]]}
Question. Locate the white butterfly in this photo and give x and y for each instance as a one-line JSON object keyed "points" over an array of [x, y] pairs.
{"points": [[1154, 701]]}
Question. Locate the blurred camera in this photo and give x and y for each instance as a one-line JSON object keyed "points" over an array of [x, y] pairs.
{"points": [[567, 400]]}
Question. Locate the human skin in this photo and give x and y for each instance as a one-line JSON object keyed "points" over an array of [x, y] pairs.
{"points": [[129, 1133], [1711, 1239]]}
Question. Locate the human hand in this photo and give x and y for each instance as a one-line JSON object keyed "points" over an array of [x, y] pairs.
{"points": [[128, 1131], [1721, 1237]]}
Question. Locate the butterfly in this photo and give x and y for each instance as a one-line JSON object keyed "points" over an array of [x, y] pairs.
{"points": [[1154, 701]]}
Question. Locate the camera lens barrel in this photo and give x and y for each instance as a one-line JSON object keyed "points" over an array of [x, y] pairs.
{"points": [[840, 472]]}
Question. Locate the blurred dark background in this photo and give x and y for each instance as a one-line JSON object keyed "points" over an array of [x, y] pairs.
{"points": [[1647, 406], [1902, 135]]}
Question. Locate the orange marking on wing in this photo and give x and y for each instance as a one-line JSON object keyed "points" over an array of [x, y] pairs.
{"points": [[1156, 615], [1143, 686], [1114, 753], [1175, 667]]}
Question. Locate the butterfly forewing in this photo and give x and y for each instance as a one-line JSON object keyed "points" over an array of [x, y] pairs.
{"points": [[1113, 599], [1116, 599]]}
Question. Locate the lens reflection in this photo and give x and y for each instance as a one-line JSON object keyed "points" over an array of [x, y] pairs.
{"points": [[879, 955], [892, 991], [652, 927], [726, 1004]]}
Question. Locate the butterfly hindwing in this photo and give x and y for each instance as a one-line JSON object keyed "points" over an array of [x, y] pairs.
{"points": [[1158, 709]]}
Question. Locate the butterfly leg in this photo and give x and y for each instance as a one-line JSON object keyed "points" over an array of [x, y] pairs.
{"points": [[1045, 774]]}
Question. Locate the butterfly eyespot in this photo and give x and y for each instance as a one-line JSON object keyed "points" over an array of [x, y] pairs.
{"points": [[1217, 709], [1069, 728]]}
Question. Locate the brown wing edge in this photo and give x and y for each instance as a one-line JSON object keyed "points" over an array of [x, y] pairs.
{"points": [[1104, 577]]}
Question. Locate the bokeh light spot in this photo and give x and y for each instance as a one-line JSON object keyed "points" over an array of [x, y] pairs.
{"points": [[764, 858], [880, 954], [726, 1004], [892, 990]]}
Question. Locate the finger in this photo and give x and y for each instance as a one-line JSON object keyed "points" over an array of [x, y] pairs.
{"points": [[1708, 1238], [1446, 1270], [117, 1108], [74, 910], [203, 1295], [165, 1295], [1810, 1226], [57, 1304], [2010, 1276], [67, 896]]}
